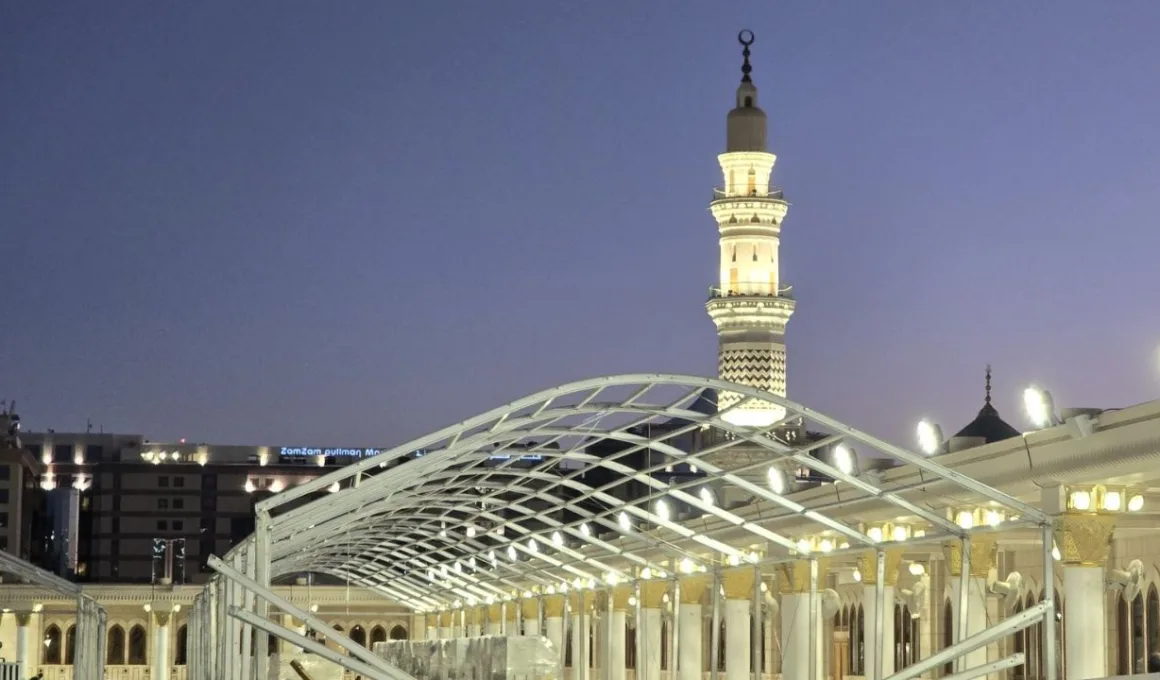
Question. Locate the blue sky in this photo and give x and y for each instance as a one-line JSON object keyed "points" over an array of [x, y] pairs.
{"points": [[306, 223]]}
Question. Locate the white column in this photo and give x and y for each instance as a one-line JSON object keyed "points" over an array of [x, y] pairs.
{"points": [[532, 627], [976, 614], [614, 637], [580, 623], [27, 649], [648, 658], [870, 612], [511, 626], [925, 622], [432, 631], [494, 627], [795, 638], [162, 666], [738, 651], [554, 631], [690, 655], [1086, 622]]}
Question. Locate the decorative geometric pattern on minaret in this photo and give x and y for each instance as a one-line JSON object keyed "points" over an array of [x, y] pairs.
{"points": [[750, 306], [760, 368]]}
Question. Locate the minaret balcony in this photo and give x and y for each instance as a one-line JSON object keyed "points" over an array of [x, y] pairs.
{"points": [[774, 194], [742, 290]]}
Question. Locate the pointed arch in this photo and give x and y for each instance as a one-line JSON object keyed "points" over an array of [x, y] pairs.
{"points": [[115, 646], [181, 641], [53, 643], [948, 632], [1152, 618], [1123, 636], [1139, 635], [860, 656], [70, 645], [358, 635], [378, 634], [630, 645], [398, 632], [138, 646]]}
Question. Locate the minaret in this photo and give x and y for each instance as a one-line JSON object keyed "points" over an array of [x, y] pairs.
{"points": [[750, 306]]}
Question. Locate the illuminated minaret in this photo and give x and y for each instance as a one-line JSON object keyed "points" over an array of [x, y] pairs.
{"points": [[750, 306]]}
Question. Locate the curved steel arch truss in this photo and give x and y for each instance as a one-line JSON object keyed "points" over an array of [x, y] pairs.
{"points": [[569, 484], [590, 482]]}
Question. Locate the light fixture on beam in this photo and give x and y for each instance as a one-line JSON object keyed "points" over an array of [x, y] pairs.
{"points": [[1040, 407], [930, 437], [1102, 499]]}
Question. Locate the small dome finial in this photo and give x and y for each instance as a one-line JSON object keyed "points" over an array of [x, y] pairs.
{"points": [[745, 37], [988, 385]]}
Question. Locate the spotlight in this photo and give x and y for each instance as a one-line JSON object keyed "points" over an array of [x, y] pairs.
{"points": [[624, 521], [929, 437], [844, 459], [706, 496], [1136, 503], [557, 539], [1040, 407], [663, 510], [776, 481]]}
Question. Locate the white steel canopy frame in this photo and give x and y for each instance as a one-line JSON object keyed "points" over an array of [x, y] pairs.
{"points": [[588, 483]]}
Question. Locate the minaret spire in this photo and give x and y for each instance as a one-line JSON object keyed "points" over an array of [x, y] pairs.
{"points": [[987, 400], [746, 38], [750, 305]]}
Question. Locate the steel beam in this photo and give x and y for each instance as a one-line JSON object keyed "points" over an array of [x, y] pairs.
{"points": [[313, 621], [353, 665], [1012, 624]]}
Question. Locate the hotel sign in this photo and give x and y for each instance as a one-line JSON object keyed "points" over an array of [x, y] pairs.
{"points": [[300, 452]]}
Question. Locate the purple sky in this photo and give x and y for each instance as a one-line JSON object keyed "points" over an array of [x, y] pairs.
{"points": [[349, 223]]}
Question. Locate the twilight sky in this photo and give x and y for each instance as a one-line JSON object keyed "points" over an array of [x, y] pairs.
{"points": [[349, 223]]}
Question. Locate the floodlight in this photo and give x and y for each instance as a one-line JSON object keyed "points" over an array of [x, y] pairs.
{"points": [[511, 551], [624, 521], [1136, 503], [776, 481], [662, 510], [585, 530], [557, 539], [1040, 407], [706, 495], [930, 437], [844, 459], [917, 569]]}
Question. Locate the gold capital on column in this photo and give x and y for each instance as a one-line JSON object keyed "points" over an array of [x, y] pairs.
{"points": [[652, 594], [693, 589], [794, 577], [738, 583], [1084, 540], [432, 620], [445, 620], [983, 551], [868, 567], [554, 606], [618, 598], [471, 616], [510, 610], [494, 613], [579, 603], [530, 608], [162, 618], [23, 618]]}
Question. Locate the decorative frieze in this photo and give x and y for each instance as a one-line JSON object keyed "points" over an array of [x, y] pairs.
{"points": [[1084, 539], [983, 553], [868, 567]]}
